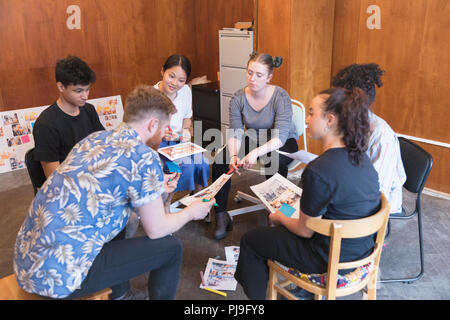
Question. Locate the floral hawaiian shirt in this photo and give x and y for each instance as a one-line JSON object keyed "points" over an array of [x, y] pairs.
{"points": [[85, 203]]}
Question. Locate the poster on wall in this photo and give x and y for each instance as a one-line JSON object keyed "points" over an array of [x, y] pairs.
{"points": [[16, 129]]}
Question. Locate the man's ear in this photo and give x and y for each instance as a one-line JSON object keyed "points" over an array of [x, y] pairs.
{"points": [[153, 125], [60, 86]]}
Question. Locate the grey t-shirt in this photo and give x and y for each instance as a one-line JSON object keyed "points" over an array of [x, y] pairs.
{"points": [[276, 117]]}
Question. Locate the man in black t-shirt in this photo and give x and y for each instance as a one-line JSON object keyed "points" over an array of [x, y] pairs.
{"points": [[68, 120]]}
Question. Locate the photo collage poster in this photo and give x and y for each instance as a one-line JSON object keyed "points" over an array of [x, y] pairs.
{"points": [[16, 129]]}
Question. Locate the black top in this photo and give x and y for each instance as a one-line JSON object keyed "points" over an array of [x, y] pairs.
{"points": [[55, 132], [335, 189]]}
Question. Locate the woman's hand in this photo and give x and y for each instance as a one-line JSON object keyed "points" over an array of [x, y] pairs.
{"points": [[275, 218], [170, 135], [235, 163], [250, 159], [185, 136], [171, 181]]}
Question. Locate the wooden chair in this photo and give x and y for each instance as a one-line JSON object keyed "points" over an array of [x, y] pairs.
{"points": [[10, 290], [366, 270]]}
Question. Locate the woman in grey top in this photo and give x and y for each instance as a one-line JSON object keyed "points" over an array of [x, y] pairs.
{"points": [[260, 117]]}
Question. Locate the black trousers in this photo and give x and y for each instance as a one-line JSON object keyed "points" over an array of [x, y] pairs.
{"points": [[121, 260], [273, 162], [276, 243]]}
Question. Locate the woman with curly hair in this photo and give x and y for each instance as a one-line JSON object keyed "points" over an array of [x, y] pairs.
{"points": [[339, 184], [384, 148]]}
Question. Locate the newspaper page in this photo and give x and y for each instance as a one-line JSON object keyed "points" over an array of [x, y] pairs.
{"points": [[219, 275], [302, 155], [232, 253], [180, 150], [209, 192], [276, 191]]}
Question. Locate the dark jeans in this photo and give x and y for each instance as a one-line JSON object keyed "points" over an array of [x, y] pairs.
{"points": [[121, 260], [276, 243], [279, 163]]}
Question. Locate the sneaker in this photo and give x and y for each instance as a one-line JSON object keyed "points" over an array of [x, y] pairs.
{"points": [[133, 295], [302, 294]]}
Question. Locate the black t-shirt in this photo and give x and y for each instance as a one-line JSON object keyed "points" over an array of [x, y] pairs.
{"points": [[55, 132], [335, 189]]}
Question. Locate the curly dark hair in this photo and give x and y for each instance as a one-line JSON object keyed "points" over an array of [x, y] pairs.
{"points": [[363, 76], [351, 107], [73, 71]]}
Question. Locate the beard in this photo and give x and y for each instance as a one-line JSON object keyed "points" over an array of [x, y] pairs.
{"points": [[155, 141]]}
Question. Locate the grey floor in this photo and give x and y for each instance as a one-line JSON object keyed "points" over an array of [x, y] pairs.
{"points": [[400, 257]]}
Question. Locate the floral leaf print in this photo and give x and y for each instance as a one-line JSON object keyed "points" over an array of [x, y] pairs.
{"points": [[84, 145], [94, 153], [88, 182], [47, 183], [92, 203], [151, 181], [71, 214], [103, 167], [64, 254], [65, 167], [71, 187], [75, 232], [103, 220], [38, 261], [125, 146], [146, 159], [132, 194], [42, 218], [94, 243], [50, 277], [76, 269], [26, 281]]}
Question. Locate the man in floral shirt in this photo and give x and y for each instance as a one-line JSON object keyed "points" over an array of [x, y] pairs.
{"points": [[64, 247]]}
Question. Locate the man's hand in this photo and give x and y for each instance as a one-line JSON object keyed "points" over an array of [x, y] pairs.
{"points": [[171, 181], [199, 208]]}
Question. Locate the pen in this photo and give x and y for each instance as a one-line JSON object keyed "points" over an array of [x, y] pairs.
{"points": [[216, 291], [203, 280], [232, 169]]}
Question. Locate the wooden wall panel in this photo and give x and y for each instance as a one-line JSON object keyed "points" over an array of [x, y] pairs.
{"points": [[413, 48], [210, 17], [124, 41], [274, 35], [300, 31]]}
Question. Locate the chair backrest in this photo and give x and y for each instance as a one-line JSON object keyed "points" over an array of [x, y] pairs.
{"points": [[35, 170], [340, 229], [298, 111], [417, 163]]}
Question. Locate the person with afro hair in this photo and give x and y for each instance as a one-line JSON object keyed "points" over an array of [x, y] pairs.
{"points": [[383, 149]]}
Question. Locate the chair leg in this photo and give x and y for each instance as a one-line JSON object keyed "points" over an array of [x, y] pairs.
{"points": [[372, 286], [420, 274], [272, 294]]}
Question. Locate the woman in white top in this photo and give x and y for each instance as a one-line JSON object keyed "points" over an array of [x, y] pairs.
{"points": [[195, 169]]}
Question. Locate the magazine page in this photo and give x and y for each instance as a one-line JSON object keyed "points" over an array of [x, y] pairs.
{"points": [[232, 253], [209, 192], [219, 275], [180, 150], [278, 191], [302, 155]]}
